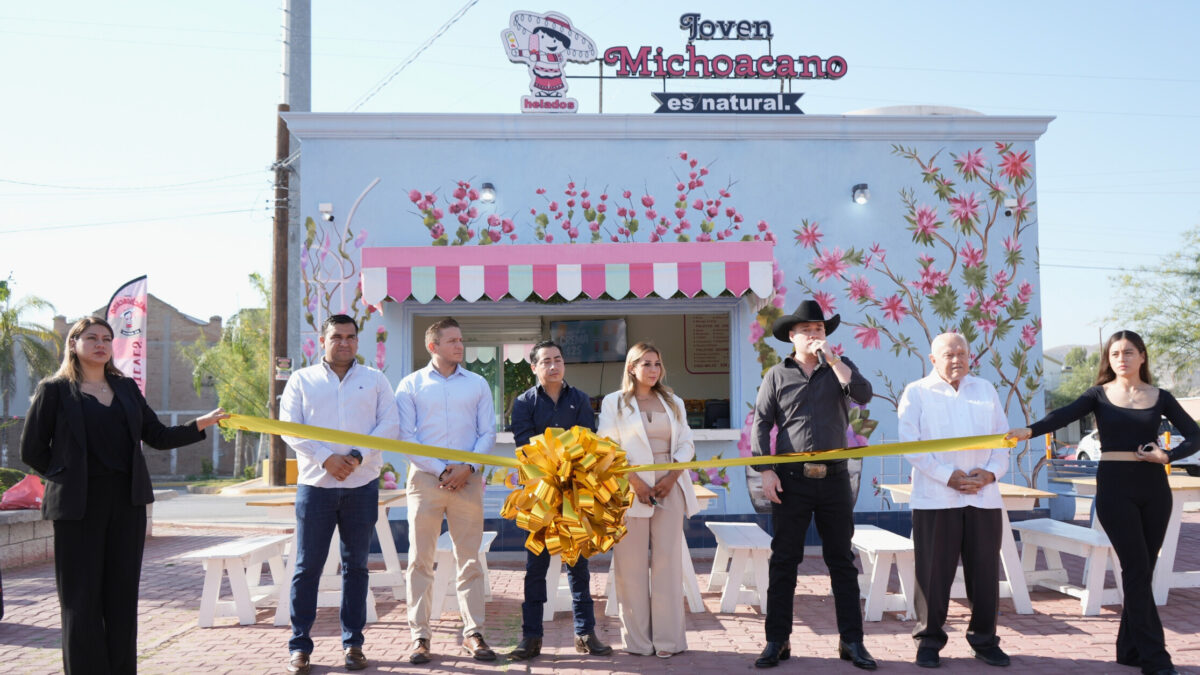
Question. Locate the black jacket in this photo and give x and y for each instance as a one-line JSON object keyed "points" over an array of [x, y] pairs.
{"points": [[54, 443]]}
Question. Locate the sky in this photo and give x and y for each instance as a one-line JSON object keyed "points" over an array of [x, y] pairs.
{"points": [[136, 137]]}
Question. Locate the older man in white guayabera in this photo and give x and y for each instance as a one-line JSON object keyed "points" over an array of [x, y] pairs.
{"points": [[955, 500]]}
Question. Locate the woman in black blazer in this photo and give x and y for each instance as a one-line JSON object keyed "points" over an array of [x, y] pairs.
{"points": [[81, 434]]}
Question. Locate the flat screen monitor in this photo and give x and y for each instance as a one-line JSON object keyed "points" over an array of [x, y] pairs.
{"points": [[590, 341]]}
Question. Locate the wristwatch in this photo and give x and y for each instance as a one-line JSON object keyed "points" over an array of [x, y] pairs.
{"points": [[356, 455]]}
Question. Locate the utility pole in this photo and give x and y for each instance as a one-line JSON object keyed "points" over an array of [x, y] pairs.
{"points": [[297, 70]]}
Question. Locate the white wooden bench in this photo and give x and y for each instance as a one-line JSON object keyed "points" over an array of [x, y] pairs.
{"points": [[740, 564], [687, 571], [445, 572], [879, 550], [242, 561], [1055, 537]]}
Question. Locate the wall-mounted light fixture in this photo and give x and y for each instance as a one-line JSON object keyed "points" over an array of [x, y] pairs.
{"points": [[860, 194], [487, 193], [326, 210]]}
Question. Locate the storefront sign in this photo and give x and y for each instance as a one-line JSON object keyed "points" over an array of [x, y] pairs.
{"points": [[703, 29], [544, 43], [706, 343], [764, 104]]}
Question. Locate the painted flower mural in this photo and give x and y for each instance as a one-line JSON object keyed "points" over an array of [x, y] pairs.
{"points": [[970, 254]]}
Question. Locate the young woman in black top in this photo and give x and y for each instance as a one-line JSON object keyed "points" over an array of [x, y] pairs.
{"points": [[81, 434], [1133, 498]]}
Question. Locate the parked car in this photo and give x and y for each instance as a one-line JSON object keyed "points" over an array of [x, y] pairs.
{"points": [[1089, 447]]}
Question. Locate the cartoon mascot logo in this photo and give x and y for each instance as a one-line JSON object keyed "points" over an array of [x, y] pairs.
{"points": [[544, 43]]}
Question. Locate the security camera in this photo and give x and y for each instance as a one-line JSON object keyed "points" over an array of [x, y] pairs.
{"points": [[326, 210], [1009, 206]]}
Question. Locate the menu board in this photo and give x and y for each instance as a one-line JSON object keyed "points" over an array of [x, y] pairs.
{"points": [[706, 343]]}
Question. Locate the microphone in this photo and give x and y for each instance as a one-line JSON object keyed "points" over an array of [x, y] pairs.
{"points": [[821, 361]]}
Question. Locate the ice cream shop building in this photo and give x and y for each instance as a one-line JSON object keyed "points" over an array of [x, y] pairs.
{"points": [[694, 227]]}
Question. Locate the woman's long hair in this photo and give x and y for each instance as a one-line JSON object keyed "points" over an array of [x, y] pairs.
{"points": [[1106, 373], [70, 367], [629, 384]]}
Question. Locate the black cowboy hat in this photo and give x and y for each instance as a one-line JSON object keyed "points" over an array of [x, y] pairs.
{"points": [[808, 311]]}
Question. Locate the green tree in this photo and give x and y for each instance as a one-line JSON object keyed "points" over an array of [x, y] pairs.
{"points": [[35, 342], [238, 366], [1078, 374], [1162, 303]]}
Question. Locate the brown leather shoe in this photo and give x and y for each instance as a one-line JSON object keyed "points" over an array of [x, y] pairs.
{"points": [[355, 659], [419, 653], [478, 649], [590, 644], [298, 663]]}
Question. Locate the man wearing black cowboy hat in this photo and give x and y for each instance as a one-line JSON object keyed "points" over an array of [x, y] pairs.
{"points": [[807, 396]]}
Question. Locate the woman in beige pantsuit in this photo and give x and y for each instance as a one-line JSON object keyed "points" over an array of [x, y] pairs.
{"points": [[648, 421]]}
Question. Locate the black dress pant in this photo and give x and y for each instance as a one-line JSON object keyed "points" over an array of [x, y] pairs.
{"points": [[1133, 503], [830, 502], [98, 565], [940, 538]]}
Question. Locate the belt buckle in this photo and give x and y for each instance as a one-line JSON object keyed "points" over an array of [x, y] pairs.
{"points": [[812, 470]]}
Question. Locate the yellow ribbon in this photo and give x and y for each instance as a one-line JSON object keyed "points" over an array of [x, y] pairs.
{"points": [[571, 494]]}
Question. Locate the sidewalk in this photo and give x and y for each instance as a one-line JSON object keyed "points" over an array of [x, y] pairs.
{"points": [[1056, 639]]}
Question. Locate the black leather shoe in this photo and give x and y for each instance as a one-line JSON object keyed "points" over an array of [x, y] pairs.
{"points": [[1167, 671], [857, 653], [298, 663], [528, 648], [927, 657], [355, 659], [773, 653], [993, 656], [590, 644]]}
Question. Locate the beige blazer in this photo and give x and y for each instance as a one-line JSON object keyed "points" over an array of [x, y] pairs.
{"points": [[625, 427]]}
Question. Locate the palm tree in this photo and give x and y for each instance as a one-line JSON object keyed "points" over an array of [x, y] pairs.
{"points": [[37, 344]]}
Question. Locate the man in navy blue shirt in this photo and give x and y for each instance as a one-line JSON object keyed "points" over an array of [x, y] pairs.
{"points": [[553, 403]]}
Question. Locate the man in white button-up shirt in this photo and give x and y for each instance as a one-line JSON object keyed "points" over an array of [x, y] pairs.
{"points": [[955, 500], [339, 484], [448, 406]]}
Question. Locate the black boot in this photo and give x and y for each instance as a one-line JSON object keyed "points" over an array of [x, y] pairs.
{"points": [[773, 653], [590, 644], [856, 652], [528, 648]]}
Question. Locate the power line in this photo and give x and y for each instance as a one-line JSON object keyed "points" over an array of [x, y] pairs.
{"points": [[1182, 273], [46, 228], [131, 188], [387, 79]]}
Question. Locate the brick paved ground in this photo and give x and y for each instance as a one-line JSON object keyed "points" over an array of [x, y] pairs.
{"points": [[1055, 639]]}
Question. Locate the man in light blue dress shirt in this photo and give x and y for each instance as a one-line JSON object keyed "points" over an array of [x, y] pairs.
{"points": [[338, 484], [448, 406]]}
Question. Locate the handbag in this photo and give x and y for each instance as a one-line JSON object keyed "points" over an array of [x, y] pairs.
{"points": [[26, 494]]}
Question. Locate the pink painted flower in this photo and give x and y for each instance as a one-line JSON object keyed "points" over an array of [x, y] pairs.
{"points": [[603, 196], [310, 348], [472, 212], [867, 336], [756, 331], [861, 289], [990, 307], [493, 220], [549, 238], [679, 187], [1015, 166], [931, 280], [1012, 245], [585, 204], [970, 164], [698, 205], [1024, 292], [693, 163], [553, 206], [380, 355], [809, 234], [830, 264], [459, 193], [414, 196], [703, 171], [463, 219], [585, 194], [437, 231], [762, 226], [679, 213], [1029, 334], [541, 191], [601, 208], [1001, 279], [986, 325], [360, 239], [570, 203], [621, 212], [626, 194], [972, 299], [965, 209], [594, 226], [573, 233], [826, 301], [683, 156], [473, 194], [878, 252], [652, 214], [926, 221], [894, 309], [971, 256], [494, 235], [777, 301], [438, 214]]}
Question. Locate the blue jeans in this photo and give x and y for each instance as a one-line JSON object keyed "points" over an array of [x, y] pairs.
{"points": [[536, 567], [318, 510]]}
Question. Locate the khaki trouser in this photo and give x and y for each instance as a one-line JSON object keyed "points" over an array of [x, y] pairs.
{"points": [[647, 560], [463, 510]]}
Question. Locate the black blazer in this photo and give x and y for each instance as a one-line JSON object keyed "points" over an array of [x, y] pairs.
{"points": [[54, 443]]}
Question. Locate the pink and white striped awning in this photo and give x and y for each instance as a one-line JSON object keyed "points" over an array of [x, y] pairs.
{"points": [[568, 270]]}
